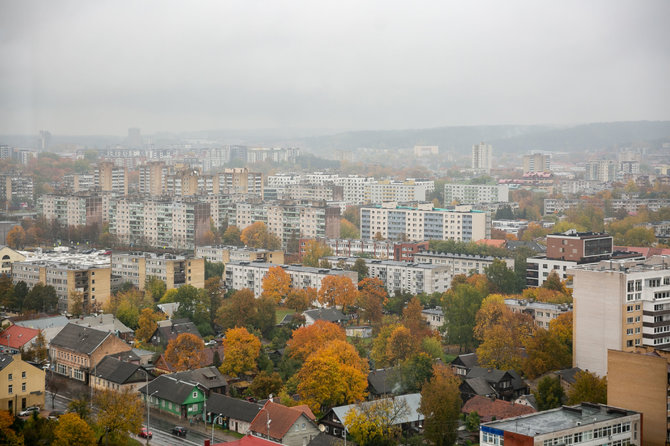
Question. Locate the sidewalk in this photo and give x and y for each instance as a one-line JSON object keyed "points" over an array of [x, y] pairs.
{"points": [[198, 427]]}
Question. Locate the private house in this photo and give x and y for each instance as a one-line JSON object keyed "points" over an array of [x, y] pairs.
{"points": [[502, 384], [358, 331], [247, 440], [114, 374], [408, 416], [22, 384], [183, 399], [16, 338], [76, 350], [462, 363], [106, 322], [382, 382], [324, 314], [164, 366], [292, 426], [490, 409], [434, 317], [50, 325], [208, 377], [231, 413], [170, 329]]}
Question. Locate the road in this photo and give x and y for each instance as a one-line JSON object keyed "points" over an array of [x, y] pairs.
{"points": [[159, 427]]}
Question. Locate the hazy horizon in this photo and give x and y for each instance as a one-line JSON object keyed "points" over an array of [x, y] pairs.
{"points": [[98, 68]]}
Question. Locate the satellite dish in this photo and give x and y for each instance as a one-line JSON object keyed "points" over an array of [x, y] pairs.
{"points": [[322, 428]]}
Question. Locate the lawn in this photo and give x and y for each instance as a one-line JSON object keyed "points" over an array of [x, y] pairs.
{"points": [[281, 312]]}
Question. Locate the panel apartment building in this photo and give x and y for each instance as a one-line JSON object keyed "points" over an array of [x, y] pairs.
{"points": [[226, 254], [460, 263], [80, 209], [174, 270], [619, 305], [423, 222], [250, 275], [476, 193]]}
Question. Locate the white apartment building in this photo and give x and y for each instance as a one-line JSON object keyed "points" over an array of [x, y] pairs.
{"points": [[423, 222], [476, 193], [482, 157], [619, 305], [173, 270], [541, 312], [459, 263], [414, 278], [601, 170], [402, 191], [225, 254], [74, 210], [240, 275], [283, 179]]}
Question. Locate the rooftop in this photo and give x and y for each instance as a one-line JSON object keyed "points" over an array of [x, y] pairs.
{"points": [[556, 420], [655, 263], [16, 336], [68, 260]]}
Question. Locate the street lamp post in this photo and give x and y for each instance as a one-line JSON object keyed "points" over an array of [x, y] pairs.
{"points": [[147, 396], [214, 421]]}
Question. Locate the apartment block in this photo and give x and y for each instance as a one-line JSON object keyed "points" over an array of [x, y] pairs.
{"points": [[15, 189], [70, 279], [174, 270], [22, 384], [476, 193], [311, 192], [482, 157], [250, 275], [541, 312], [241, 181], [631, 205], [460, 263], [585, 424], [74, 210], [111, 178], [536, 162], [601, 170], [153, 178], [226, 254], [79, 182], [160, 223], [619, 305], [403, 191], [639, 380], [423, 222], [414, 278]]}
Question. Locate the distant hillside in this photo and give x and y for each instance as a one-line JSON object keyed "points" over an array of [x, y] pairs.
{"points": [[504, 138]]}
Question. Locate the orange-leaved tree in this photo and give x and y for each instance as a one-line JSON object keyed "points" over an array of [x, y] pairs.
{"points": [[147, 324], [306, 340], [412, 319], [241, 350], [441, 406], [371, 299], [401, 345], [186, 352], [331, 376], [257, 235], [337, 291], [301, 299], [276, 284]]}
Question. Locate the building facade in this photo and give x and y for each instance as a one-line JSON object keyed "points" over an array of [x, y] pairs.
{"points": [[173, 270], [476, 193], [482, 157], [536, 162], [225, 254], [22, 384]]}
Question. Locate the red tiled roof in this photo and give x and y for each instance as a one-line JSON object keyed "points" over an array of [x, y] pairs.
{"points": [[248, 440], [281, 417], [487, 408], [16, 336]]}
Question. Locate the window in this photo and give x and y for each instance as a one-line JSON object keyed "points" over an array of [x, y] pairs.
{"points": [[10, 389], [23, 387], [195, 394], [9, 377]]}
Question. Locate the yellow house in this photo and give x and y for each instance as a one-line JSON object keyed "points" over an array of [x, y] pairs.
{"points": [[9, 256], [21, 384]]}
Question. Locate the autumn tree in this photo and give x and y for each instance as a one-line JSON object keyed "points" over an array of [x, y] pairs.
{"points": [[314, 251], [231, 236], [414, 321], [441, 406], [300, 299], [377, 422], [147, 324], [241, 351], [379, 350], [401, 345], [154, 288], [549, 393], [588, 388], [257, 235], [38, 351], [73, 431], [549, 349], [185, 352], [553, 282], [265, 384], [348, 230], [276, 284], [414, 372], [16, 237], [237, 311], [371, 299], [41, 298], [361, 268], [7, 434], [331, 376], [337, 291], [119, 413], [460, 305], [503, 279], [306, 340]]}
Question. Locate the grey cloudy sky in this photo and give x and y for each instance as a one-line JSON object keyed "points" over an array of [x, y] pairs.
{"points": [[99, 67]]}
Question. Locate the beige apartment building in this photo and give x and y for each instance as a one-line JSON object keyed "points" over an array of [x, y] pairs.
{"points": [[111, 178], [70, 279], [639, 381], [241, 181], [80, 209], [619, 305], [21, 384], [174, 270], [152, 180]]}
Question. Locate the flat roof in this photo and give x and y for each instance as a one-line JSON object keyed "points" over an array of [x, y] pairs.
{"points": [[556, 420]]}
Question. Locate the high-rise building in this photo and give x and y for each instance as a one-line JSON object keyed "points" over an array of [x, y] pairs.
{"points": [[602, 170], [6, 152], [241, 181], [482, 156], [619, 305], [476, 193], [110, 178], [44, 140], [173, 270], [134, 138], [536, 162], [152, 179]]}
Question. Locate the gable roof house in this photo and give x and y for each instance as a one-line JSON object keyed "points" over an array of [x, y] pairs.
{"points": [[490, 409], [106, 322], [170, 329], [16, 338], [114, 374], [383, 382], [292, 426], [324, 314], [503, 384], [76, 350], [462, 363], [231, 413], [408, 416], [183, 399], [211, 380]]}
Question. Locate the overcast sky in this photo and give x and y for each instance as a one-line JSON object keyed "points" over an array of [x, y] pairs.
{"points": [[99, 67]]}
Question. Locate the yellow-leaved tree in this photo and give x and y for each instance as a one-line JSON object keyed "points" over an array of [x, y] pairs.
{"points": [[241, 350], [306, 340], [185, 352], [337, 291], [331, 376], [276, 284], [72, 431], [119, 414], [377, 422], [147, 324]]}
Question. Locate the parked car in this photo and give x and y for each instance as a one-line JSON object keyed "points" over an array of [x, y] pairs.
{"points": [[55, 414], [29, 410], [179, 431], [145, 433]]}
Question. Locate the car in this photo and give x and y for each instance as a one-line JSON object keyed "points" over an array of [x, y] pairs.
{"points": [[55, 414], [179, 431], [29, 410], [210, 343], [145, 433]]}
